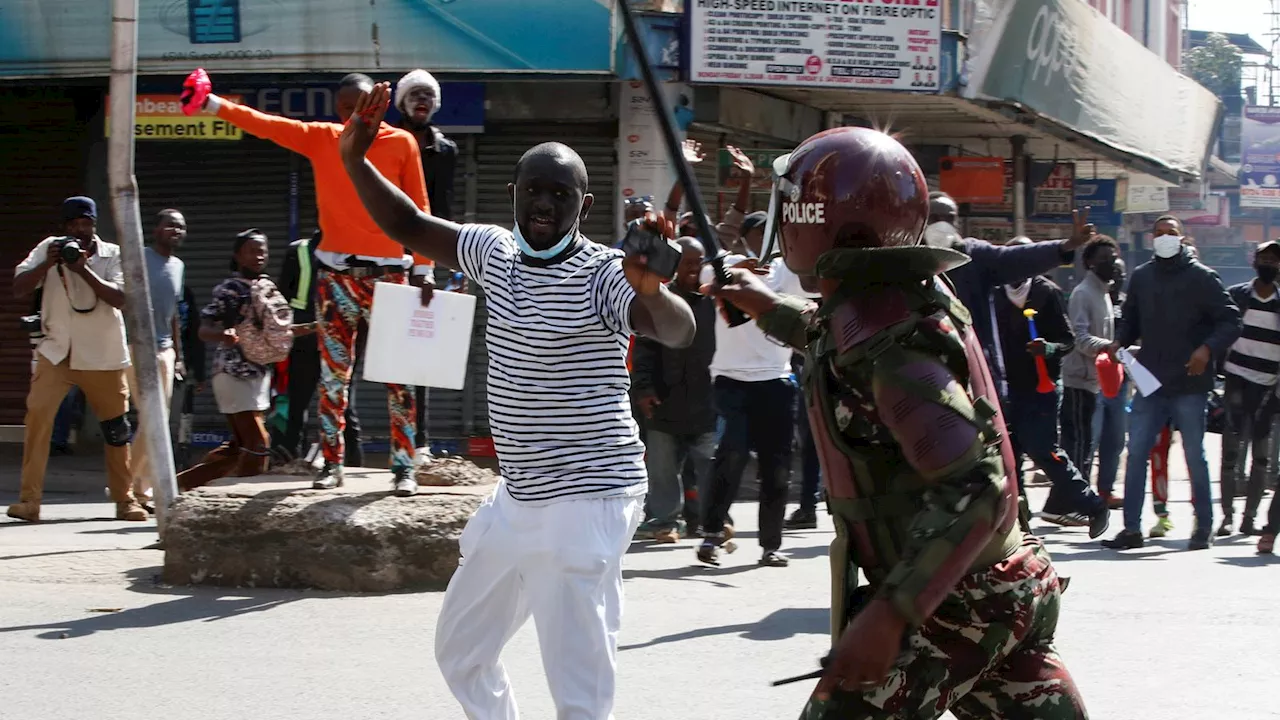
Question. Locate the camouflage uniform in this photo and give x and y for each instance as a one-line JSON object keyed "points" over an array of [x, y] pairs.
{"points": [[915, 459]]}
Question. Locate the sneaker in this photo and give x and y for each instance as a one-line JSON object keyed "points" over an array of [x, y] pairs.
{"points": [[1247, 527], [1126, 540], [803, 520], [1200, 540], [331, 476], [1113, 502], [1226, 528], [130, 511], [1162, 527], [26, 511], [772, 558], [403, 484], [1066, 520], [1267, 544], [1099, 521]]}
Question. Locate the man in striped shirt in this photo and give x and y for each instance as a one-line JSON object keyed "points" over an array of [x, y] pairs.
{"points": [[1252, 365], [549, 541]]}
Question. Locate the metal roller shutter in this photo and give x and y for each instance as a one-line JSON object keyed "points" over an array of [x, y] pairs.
{"points": [[222, 188], [40, 155], [497, 152]]}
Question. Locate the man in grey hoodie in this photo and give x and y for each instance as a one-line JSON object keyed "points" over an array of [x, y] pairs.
{"points": [[1182, 315], [1092, 321]]}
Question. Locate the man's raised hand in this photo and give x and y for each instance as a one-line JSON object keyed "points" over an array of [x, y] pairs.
{"points": [[362, 127]]}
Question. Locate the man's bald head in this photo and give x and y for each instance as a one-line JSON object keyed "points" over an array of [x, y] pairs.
{"points": [[1020, 240], [554, 158]]}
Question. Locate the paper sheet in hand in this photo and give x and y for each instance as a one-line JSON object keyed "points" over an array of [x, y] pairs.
{"points": [[1142, 377], [412, 345]]}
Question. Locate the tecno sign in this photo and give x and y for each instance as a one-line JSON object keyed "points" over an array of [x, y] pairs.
{"points": [[1051, 45]]}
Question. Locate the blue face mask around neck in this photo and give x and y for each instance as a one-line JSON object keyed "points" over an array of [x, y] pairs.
{"points": [[550, 252]]}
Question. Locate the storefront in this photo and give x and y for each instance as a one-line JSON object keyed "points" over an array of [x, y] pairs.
{"points": [[42, 162]]}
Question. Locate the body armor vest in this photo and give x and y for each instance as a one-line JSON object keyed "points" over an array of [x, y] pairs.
{"points": [[905, 352]]}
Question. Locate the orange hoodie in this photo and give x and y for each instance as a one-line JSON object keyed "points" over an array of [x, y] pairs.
{"points": [[345, 224]]}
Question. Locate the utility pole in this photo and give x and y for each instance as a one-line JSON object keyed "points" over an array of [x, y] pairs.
{"points": [[153, 415]]}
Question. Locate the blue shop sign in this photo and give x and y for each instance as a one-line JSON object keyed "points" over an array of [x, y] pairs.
{"points": [[1100, 197]]}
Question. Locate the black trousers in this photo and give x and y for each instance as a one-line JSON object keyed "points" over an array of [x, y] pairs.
{"points": [[1076, 420], [759, 416], [1250, 410], [304, 378]]}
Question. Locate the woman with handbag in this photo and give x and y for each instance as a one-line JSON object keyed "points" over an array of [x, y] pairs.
{"points": [[251, 324]]}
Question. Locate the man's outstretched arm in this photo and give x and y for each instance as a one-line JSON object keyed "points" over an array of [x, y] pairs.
{"points": [[398, 216]]}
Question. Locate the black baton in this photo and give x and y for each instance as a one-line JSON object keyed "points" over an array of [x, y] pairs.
{"points": [[706, 234]]}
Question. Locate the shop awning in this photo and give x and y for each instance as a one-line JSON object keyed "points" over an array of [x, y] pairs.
{"points": [[1065, 66], [976, 127]]}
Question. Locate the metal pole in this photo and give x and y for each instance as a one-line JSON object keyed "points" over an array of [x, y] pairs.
{"points": [[1019, 143], [153, 416]]}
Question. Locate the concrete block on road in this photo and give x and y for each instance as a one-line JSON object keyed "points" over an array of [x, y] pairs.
{"points": [[274, 531]]}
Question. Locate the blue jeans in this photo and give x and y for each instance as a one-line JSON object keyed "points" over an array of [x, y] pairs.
{"points": [[669, 459], [1110, 427], [1033, 428], [1148, 416]]}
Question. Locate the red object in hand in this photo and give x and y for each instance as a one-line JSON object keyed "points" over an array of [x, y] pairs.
{"points": [[195, 90], [1110, 375], [1045, 385]]}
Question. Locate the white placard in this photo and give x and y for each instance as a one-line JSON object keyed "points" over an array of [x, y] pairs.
{"points": [[1147, 199], [412, 345], [1142, 377], [865, 44]]}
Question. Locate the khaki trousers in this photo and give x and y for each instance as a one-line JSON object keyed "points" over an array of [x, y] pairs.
{"points": [[107, 393], [143, 468]]}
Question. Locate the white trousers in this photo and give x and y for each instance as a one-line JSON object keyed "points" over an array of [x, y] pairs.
{"points": [[560, 563]]}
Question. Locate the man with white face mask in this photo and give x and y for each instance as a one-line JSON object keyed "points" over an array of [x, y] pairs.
{"points": [[1183, 317]]}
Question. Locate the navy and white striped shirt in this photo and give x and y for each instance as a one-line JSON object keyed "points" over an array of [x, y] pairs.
{"points": [[1256, 355], [557, 338]]}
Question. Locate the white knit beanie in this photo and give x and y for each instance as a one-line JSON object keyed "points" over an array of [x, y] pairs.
{"points": [[413, 80]]}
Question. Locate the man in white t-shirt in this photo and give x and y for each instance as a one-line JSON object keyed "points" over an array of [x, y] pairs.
{"points": [[756, 404], [549, 541]]}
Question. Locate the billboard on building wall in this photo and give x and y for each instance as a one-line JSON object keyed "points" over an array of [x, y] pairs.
{"points": [[44, 38], [855, 44], [1260, 157]]}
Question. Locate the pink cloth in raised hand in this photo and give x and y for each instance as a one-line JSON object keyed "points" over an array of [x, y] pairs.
{"points": [[195, 90]]}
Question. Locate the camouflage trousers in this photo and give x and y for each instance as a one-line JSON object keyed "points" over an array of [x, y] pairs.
{"points": [[986, 653]]}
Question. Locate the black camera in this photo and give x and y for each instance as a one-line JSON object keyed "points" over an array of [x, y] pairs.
{"points": [[69, 253], [663, 254]]}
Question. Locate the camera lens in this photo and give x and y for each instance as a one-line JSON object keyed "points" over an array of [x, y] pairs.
{"points": [[70, 252]]}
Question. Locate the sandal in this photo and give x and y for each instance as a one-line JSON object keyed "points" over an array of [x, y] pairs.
{"points": [[771, 558]]}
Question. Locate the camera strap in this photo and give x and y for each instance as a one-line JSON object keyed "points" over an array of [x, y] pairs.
{"points": [[70, 301]]}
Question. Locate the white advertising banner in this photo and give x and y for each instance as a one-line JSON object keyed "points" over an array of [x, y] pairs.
{"points": [[865, 44], [644, 165]]}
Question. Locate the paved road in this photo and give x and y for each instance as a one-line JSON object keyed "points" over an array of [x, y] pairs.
{"points": [[86, 632]]}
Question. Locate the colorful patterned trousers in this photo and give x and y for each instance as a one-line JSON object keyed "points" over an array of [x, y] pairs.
{"points": [[344, 300], [987, 653]]}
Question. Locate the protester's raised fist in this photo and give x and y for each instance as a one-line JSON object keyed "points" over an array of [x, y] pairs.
{"points": [[195, 90], [362, 126]]}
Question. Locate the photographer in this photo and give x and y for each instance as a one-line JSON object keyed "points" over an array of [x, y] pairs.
{"points": [[82, 345]]}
